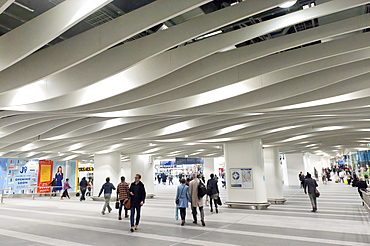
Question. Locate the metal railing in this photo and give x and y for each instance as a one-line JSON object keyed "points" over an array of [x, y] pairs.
{"points": [[35, 188], [366, 199], [2, 195]]}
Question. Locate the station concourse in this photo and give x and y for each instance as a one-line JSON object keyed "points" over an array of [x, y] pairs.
{"points": [[270, 97]]}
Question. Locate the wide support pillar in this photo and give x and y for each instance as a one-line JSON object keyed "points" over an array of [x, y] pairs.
{"points": [[274, 175], [106, 165], [143, 165], [245, 175], [294, 164], [126, 171], [209, 167]]}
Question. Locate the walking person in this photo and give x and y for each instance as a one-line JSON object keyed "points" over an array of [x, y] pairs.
{"points": [[66, 186], [213, 191], [53, 184], [170, 179], [301, 178], [164, 178], [88, 193], [107, 188], [361, 186], [137, 196], [196, 201], [182, 199], [83, 188], [311, 185], [122, 196]]}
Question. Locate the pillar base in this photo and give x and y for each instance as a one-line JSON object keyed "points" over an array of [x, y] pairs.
{"points": [[276, 200], [250, 205]]}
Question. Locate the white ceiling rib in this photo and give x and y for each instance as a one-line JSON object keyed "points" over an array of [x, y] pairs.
{"points": [[110, 62], [47, 61], [34, 34], [191, 100]]}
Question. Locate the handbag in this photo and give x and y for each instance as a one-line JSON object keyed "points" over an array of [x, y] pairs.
{"points": [[218, 201], [177, 201], [317, 193], [127, 204], [117, 204]]}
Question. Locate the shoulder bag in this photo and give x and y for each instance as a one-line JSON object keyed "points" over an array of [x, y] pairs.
{"points": [[178, 200]]}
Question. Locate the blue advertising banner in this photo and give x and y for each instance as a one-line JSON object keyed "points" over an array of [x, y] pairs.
{"points": [[3, 172], [21, 176]]}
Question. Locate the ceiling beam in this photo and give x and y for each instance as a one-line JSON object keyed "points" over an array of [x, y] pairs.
{"points": [[4, 4], [63, 55], [29, 37]]}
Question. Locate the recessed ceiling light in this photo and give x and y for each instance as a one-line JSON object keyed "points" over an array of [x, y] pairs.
{"points": [[287, 4]]}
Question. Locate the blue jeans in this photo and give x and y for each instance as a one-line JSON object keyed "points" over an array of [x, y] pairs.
{"points": [[137, 208]]}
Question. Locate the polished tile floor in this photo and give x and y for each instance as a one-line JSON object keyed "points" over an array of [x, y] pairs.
{"points": [[340, 220]]}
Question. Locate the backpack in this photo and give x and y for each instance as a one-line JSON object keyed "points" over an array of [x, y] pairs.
{"points": [[202, 189]]}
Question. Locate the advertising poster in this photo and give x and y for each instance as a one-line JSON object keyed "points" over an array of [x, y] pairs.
{"points": [[45, 176], [69, 169], [21, 176], [3, 162], [241, 178]]}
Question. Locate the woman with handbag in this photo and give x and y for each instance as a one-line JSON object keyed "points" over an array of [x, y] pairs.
{"points": [[122, 197], [213, 192], [182, 199]]}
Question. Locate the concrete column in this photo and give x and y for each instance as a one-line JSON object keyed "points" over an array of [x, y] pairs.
{"points": [[245, 155], [143, 165], [126, 171], [106, 165], [294, 165], [209, 167], [274, 175]]}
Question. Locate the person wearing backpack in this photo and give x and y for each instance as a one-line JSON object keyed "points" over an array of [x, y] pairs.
{"points": [[196, 198]]}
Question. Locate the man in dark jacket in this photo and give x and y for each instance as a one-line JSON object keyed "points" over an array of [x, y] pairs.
{"points": [[107, 188], [301, 178], [213, 192], [361, 186], [311, 185], [83, 187], [138, 195]]}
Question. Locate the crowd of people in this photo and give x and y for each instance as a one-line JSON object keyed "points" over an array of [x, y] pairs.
{"points": [[340, 174], [192, 192], [131, 197]]}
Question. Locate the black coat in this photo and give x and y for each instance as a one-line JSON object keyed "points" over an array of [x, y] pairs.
{"points": [[83, 183], [139, 193], [212, 187], [361, 185]]}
